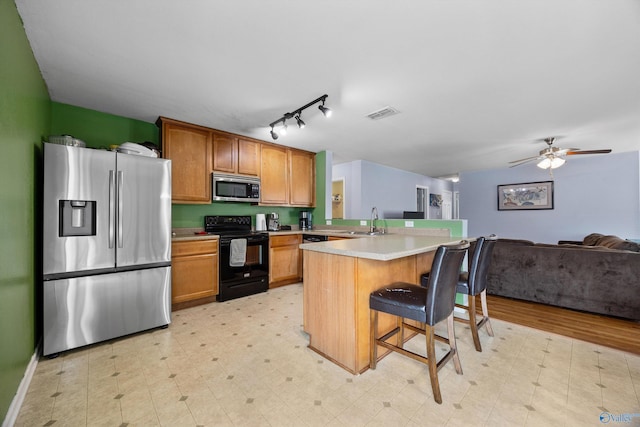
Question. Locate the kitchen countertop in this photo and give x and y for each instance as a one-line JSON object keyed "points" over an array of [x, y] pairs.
{"points": [[186, 234], [382, 247]]}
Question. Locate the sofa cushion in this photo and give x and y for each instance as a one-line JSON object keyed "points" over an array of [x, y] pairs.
{"points": [[592, 239], [611, 242]]}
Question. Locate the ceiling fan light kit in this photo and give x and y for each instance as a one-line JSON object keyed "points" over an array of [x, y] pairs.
{"points": [[282, 129], [551, 162]]}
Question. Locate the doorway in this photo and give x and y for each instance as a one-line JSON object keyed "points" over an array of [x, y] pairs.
{"points": [[337, 198], [422, 200]]}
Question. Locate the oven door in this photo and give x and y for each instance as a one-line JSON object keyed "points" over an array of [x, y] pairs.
{"points": [[250, 278]]}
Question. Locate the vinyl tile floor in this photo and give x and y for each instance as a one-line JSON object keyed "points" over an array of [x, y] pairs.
{"points": [[245, 362]]}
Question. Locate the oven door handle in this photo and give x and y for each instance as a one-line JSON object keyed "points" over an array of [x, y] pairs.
{"points": [[250, 239]]}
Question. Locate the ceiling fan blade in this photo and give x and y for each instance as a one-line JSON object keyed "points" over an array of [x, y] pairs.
{"points": [[570, 153], [524, 160]]}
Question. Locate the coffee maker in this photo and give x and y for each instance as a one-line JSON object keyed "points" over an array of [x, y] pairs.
{"points": [[305, 220], [273, 222]]}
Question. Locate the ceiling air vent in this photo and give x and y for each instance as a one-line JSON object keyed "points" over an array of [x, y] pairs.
{"points": [[382, 113]]}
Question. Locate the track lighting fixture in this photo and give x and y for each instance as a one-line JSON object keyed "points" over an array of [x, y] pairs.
{"points": [[296, 114]]}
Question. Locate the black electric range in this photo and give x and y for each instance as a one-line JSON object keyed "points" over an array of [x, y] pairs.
{"points": [[243, 264]]}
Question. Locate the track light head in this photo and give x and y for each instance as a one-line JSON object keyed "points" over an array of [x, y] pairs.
{"points": [[283, 129], [326, 111], [301, 124], [274, 135]]}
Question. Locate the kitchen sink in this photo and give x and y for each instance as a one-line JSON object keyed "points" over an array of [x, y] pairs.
{"points": [[366, 233]]}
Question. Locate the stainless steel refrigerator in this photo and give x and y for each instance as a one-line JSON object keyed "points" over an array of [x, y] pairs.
{"points": [[106, 245]]}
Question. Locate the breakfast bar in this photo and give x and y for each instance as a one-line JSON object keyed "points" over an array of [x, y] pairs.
{"points": [[338, 278]]}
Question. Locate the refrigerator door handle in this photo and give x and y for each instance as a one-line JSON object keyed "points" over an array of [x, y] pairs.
{"points": [[112, 197], [120, 207]]}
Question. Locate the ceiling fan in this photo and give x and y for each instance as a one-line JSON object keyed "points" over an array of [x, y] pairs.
{"points": [[553, 157]]}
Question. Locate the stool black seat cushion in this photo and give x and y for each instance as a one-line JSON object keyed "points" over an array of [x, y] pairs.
{"points": [[401, 299]]}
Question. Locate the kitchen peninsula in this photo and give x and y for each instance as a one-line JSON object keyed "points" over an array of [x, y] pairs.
{"points": [[338, 278]]}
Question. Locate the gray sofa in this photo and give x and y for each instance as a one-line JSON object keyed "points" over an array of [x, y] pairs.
{"points": [[600, 275]]}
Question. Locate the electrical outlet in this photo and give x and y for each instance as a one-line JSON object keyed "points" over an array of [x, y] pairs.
{"points": [[328, 222], [408, 223], [363, 222]]}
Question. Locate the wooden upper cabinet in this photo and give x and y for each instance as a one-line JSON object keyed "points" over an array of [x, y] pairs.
{"points": [[235, 155], [189, 148], [287, 175], [248, 157], [225, 153], [274, 176], [302, 176]]}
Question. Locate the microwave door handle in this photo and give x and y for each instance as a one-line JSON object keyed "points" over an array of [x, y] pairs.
{"points": [[112, 197], [120, 207]]}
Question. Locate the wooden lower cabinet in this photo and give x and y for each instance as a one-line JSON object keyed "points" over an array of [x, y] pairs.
{"points": [[194, 272], [285, 261]]}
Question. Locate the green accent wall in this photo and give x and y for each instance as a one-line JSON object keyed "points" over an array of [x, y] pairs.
{"points": [[99, 130], [24, 120], [192, 216], [455, 226]]}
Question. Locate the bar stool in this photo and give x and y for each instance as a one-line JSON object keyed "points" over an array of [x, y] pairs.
{"points": [[428, 305], [474, 283]]}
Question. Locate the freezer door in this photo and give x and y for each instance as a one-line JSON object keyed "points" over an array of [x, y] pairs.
{"points": [[78, 209], [143, 230], [86, 310]]}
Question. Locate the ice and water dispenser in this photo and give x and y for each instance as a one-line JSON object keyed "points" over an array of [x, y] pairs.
{"points": [[77, 218]]}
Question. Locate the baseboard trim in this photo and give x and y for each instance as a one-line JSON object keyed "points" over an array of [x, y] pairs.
{"points": [[18, 399]]}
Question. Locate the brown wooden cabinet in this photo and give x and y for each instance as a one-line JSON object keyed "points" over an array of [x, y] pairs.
{"points": [[189, 148], [225, 153], [274, 176], [248, 157], [302, 178], [194, 271], [287, 177], [232, 154], [285, 261]]}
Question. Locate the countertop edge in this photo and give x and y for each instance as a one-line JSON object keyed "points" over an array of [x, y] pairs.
{"points": [[335, 249]]}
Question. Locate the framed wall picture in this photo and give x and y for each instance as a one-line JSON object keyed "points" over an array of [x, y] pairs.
{"points": [[525, 196]]}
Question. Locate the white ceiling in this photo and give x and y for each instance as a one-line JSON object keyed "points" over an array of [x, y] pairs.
{"points": [[477, 82]]}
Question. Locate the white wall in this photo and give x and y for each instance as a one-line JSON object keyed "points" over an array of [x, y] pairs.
{"points": [[391, 190], [592, 194]]}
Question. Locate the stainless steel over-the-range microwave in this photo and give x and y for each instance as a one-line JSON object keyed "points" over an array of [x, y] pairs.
{"points": [[235, 188]]}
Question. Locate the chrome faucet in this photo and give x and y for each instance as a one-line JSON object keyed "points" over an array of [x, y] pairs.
{"points": [[374, 217]]}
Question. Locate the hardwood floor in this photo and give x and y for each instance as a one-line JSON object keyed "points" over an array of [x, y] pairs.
{"points": [[608, 331]]}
